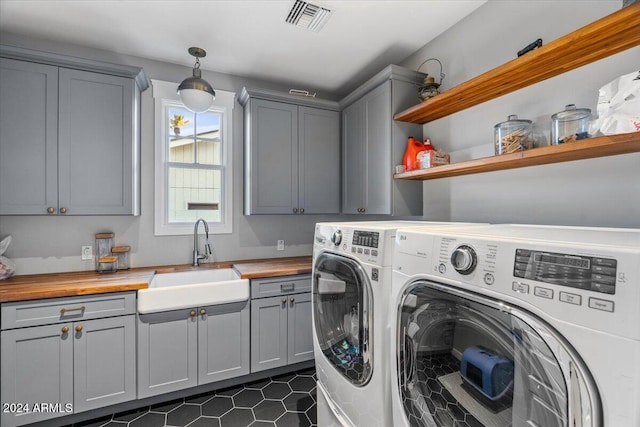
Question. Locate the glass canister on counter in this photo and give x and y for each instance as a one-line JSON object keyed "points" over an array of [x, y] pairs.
{"points": [[570, 125], [106, 264], [513, 135], [104, 243], [122, 252]]}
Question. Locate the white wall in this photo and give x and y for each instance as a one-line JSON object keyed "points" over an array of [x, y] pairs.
{"points": [[44, 244], [597, 192]]}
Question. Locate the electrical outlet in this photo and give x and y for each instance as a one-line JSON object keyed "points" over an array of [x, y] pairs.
{"points": [[87, 252], [281, 245]]}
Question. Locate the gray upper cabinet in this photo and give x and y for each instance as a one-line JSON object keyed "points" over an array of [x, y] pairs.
{"points": [[95, 151], [292, 154], [373, 143], [28, 137], [69, 135]]}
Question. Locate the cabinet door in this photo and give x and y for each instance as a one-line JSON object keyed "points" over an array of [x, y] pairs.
{"points": [[167, 352], [319, 163], [223, 342], [300, 332], [268, 333], [104, 362], [354, 168], [96, 143], [378, 151], [28, 138], [37, 367], [272, 168]]}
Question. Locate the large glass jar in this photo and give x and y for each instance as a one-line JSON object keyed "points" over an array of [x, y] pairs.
{"points": [[570, 125], [513, 135]]}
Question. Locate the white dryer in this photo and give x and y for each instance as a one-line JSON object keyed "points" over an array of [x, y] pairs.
{"points": [[351, 288], [513, 325]]}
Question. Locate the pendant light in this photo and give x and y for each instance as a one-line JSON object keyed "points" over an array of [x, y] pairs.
{"points": [[195, 92]]}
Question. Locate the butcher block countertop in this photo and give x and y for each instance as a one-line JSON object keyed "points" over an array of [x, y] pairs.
{"points": [[37, 286]]}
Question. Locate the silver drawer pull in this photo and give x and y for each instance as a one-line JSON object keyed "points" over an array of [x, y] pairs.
{"points": [[64, 311], [289, 287]]}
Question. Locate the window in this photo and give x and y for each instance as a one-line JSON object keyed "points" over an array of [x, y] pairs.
{"points": [[192, 163]]}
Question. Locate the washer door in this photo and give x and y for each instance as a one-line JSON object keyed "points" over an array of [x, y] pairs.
{"points": [[342, 315], [467, 360]]}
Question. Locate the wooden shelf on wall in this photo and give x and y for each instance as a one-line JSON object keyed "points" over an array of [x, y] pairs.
{"points": [[607, 36], [601, 146]]}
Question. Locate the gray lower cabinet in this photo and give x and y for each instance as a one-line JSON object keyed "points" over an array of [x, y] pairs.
{"points": [[223, 342], [373, 144], [69, 135], [292, 154], [80, 362], [184, 348], [281, 330]]}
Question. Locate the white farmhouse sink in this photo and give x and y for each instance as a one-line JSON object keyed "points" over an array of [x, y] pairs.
{"points": [[186, 289]]}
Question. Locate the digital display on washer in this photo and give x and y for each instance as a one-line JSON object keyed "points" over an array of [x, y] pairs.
{"points": [[575, 271], [366, 238]]}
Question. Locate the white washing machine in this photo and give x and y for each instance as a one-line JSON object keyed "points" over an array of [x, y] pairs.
{"points": [[513, 325], [351, 288]]}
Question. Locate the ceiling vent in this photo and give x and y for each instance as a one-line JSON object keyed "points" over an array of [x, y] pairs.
{"points": [[307, 15]]}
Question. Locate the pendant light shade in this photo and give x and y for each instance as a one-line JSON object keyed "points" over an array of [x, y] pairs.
{"points": [[195, 92]]}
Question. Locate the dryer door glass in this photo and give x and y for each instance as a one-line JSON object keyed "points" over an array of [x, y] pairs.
{"points": [[342, 315], [465, 360]]}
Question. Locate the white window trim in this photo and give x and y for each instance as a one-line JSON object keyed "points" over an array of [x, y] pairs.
{"points": [[167, 91]]}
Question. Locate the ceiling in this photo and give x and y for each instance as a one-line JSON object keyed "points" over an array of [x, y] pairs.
{"points": [[246, 37]]}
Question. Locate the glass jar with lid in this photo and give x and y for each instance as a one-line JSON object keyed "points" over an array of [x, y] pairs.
{"points": [[570, 125], [513, 135]]}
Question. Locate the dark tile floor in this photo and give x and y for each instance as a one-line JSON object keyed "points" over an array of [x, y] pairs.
{"points": [[283, 401]]}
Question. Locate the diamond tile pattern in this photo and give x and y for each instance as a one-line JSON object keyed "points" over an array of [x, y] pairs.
{"points": [[283, 401]]}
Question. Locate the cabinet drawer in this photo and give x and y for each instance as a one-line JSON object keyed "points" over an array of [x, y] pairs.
{"points": [[54, 310], [283, 285]]}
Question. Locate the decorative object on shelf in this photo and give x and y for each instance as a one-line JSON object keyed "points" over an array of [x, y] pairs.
{"points": [[570, 125], [601, 39], [410, 158], [429, 87], [431, 156], [513, 135], [176, 122], [195, 92], [618, 106], [7, 267], [591, 148], [528, 48]]}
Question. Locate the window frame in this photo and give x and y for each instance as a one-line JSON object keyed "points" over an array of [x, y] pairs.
{"points": [[164, 94]]}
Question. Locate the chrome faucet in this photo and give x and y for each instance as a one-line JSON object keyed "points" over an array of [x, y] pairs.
{"points": [[197, 256]]}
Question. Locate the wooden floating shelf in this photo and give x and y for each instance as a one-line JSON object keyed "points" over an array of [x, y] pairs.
{"points": [[607, 36], [601, 146]]}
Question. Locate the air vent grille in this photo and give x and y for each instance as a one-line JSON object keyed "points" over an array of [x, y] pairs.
{"points": [[307, 15]]}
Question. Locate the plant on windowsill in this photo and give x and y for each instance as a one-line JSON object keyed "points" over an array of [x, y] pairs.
{"points": [[176, 122]]}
